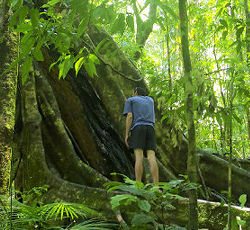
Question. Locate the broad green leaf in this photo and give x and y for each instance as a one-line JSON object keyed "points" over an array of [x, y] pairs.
{"points": [[173, 183], [144, 205], [65, 66], [119, 24], [19, 16], [90, 68], [63, 42], [240, 222], [23, 28], [89, 65], [34, 15], [51, 3], [79, 64], [38, 53], [94, 59], [125, 199], [99, 12], [243, 200], [27, 44], [15, 4], [26, 68]]}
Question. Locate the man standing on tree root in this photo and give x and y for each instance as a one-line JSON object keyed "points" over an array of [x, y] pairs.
{"points": [[140, 120]]}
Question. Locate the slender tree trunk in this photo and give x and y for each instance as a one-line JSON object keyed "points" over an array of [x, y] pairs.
{"points": [[169, 65], [223, 128], [248, 122], [248, 54], [7, 96], [192, 155], [230, 169]]}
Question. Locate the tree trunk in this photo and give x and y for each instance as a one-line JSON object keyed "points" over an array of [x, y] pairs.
{"points": [[8, 43], [248, 54], [192, 152]]}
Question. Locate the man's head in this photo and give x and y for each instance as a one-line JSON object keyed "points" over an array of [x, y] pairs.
{"points": [[138, 91]]}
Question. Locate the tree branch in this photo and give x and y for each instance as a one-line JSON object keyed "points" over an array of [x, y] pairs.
{"points": [[108, 64]]}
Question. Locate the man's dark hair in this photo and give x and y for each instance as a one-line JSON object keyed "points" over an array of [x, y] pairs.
{"points": [[140, 91]]}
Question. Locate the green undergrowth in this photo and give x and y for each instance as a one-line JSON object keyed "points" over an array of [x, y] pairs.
{"points": [[26, 212], [144, 206]]}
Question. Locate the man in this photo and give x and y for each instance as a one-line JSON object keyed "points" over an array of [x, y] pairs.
{"points": [[140, 120]]}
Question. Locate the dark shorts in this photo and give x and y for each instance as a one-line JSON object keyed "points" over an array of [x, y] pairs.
{"points": [[142, 137]]}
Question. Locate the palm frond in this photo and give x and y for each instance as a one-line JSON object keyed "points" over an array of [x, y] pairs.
{"points": [[94, 224]]}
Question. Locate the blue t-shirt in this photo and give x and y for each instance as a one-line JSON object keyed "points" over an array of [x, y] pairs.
{"points": [[142, 108]]}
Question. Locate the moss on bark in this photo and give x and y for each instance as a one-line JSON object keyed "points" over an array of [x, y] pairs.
{"points": [[8, 47]]}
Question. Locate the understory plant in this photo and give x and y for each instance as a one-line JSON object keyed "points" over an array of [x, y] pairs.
{"points": [[16, 214], [145, 204]]}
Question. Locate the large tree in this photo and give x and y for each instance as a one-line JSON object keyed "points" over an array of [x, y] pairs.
{"points": [[8, 45], [69, 132]]}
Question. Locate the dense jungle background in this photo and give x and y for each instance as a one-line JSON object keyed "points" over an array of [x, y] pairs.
{"points": [[66, 70]]}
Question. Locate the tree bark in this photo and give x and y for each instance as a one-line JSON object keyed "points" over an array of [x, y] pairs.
{"points": [[8, 44]]}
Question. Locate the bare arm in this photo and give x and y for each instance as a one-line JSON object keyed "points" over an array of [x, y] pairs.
{"points": [[129, 120]]}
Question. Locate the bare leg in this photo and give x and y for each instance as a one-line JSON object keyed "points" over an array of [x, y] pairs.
{"points": [[153, 165], [138, 164]]}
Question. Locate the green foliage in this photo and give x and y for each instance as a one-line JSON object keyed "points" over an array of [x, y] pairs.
{"points": [[146, 203], [243, 200], [119, 24], [93, 224], [217, 41], [17, 215], [49, 27]]}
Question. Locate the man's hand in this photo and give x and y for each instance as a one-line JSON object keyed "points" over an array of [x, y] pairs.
{"points": [[129, 120], [126, 141]]}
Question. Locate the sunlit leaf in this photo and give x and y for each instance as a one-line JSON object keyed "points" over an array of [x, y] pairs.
{"points": [[51, 3], [79, 64], [243, 200]]}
